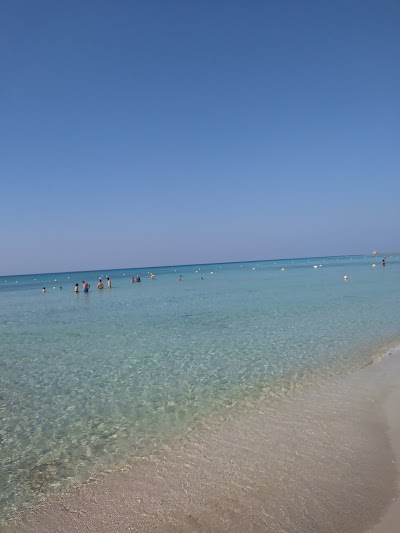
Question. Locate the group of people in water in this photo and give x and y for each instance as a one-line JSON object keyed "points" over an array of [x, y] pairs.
{"points": [[86, 286], [100, 284], [136, 279]]}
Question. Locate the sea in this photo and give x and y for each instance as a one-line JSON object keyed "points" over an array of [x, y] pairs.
{"points": [[92, 381]]}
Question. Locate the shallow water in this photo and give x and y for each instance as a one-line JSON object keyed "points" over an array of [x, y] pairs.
{"points": [[88, 379]]}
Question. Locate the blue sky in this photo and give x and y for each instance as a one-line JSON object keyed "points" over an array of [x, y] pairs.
{"points": [[152, 133]]}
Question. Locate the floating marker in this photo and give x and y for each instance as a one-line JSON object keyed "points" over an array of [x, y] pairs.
{"points": [[282, 269], [373, 265]]}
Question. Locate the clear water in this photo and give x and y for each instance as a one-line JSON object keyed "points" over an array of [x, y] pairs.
{"points": [[89, 381]]}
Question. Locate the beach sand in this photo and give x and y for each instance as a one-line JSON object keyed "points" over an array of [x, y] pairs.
{"points": [[390, 522], [321, 460]]}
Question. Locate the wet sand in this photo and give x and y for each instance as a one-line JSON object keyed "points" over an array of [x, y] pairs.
{"points": [[322, 460]]}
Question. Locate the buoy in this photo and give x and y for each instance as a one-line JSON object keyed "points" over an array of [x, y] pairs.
{"points": [[345, 278], [211, 272], [282, 269], [253, 268], [373, 265], [315, 266]]}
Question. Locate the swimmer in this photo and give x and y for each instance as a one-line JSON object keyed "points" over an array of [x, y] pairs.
{"points": [[86, 286], [76, 288], [108, 282], [201, 277], [152, 277], [44, 290], [138, 280], [384, 261], [132, 279], [100, 284]]}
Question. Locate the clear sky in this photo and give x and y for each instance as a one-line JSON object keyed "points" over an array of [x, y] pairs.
{"points": [[164, 132]]}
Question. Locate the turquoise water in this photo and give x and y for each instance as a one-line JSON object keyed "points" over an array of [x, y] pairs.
{"points": [[89, 381]]}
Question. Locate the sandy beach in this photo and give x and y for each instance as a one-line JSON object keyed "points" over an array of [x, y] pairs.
{"points": [[321, 460], [390, 522], [199, 324]]}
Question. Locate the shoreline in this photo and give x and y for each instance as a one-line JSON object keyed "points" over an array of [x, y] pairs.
{"points": [[304, 465]]}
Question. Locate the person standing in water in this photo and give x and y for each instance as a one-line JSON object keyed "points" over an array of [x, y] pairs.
{"points": [[86, 286], [100, 284], [108, 282], [44, 290], [384, 261], [76, 288]]}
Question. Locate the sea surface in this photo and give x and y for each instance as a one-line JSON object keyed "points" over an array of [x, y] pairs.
{"points": [[89, 382]]}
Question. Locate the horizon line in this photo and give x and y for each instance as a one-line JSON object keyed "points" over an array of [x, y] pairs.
{"points": [[194, 264]]}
